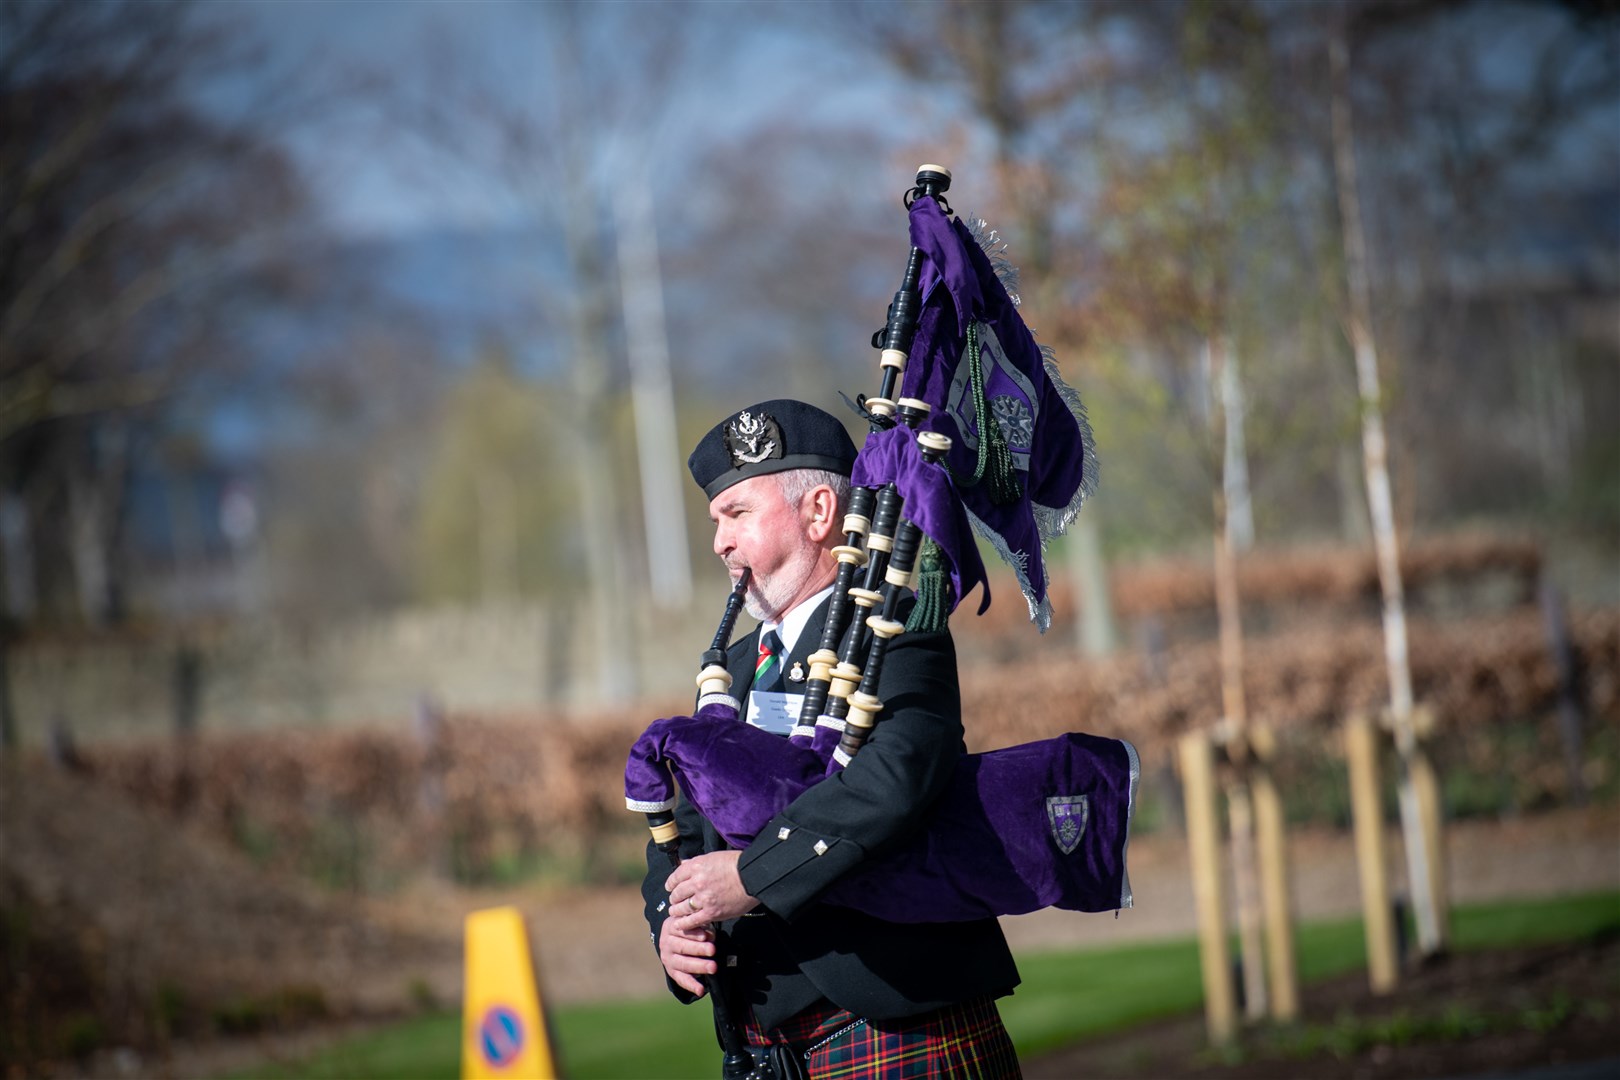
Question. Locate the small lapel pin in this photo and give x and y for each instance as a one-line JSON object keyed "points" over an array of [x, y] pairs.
{"points": [[797, 673]]}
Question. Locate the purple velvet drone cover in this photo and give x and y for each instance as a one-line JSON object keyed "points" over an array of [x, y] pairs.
{"points": [[932, 504], [1040, 825], [737, 775], [960, 287]]}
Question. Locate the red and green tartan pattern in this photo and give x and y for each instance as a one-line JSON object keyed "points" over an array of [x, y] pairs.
{"points": [[965, 1040]]}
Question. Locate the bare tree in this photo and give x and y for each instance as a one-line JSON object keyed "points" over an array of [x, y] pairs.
{"points": [[140, 231], [556, 142]]}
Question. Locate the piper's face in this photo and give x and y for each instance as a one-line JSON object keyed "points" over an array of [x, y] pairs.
{"points": [[755, 527]]}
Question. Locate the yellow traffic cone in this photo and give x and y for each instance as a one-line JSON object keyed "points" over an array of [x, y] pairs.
{"points": [[504, 1033]]}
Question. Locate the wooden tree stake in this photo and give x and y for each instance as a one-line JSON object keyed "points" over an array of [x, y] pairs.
{"points": [[1204, 847], [1281, 966], [1361, 752], [1426, 787], [1246, 892]]}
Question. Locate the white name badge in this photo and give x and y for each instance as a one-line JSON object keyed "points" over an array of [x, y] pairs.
{"points": [[774, 712]]}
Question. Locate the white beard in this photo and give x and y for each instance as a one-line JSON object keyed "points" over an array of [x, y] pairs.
{"points": [[766, 607], [767, 599]]}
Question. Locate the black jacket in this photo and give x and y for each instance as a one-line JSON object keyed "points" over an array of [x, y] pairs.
{"points": [[795, 951]]}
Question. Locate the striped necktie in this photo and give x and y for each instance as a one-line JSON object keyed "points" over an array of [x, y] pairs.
{"points": [[768, 666]]}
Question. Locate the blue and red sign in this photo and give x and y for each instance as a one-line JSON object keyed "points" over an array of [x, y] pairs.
{"points": [[500, 1035]]}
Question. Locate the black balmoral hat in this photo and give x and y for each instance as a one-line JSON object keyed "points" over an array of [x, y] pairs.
{"points": [[770, 437]]}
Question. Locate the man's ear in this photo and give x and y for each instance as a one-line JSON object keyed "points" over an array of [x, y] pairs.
{"points": [[821, 512]]}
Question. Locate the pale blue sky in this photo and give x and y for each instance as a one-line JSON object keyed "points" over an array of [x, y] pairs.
{"points": [[752, 62]]}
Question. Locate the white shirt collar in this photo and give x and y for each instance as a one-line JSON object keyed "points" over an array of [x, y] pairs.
{"points": [[792, 624]]}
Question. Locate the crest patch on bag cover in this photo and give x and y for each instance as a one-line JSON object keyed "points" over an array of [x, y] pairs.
{"points": [[753, 437], [1068, 815]]}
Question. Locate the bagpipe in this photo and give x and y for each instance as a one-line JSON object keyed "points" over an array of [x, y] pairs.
{"points": [[972, 432], [737, 1062]]}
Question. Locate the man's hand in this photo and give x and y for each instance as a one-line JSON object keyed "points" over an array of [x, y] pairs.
{"points": [[686, 955], [706, 889], [703, 890]]}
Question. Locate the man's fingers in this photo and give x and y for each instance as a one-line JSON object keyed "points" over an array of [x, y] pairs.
{"points": [[688, 943], [687, 897], [688, 983], [685, 958], [676, 944], [685, 900], [690, 965], [688, 923]]}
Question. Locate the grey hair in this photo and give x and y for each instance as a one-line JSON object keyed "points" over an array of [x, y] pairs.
{"points": [[795, 484]]}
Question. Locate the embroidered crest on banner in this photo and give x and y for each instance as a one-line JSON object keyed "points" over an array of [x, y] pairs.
{"points": [[1068, 815], [1016, 421], [751, 438], [1015, 414]]}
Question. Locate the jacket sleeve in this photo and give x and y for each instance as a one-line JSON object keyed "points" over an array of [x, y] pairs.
{"points": [[655, 900], [884, 794]]}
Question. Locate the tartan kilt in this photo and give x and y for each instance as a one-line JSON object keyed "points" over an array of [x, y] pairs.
{"points": [[963, 1040]]}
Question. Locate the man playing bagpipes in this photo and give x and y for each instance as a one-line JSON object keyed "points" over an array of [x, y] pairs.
{"points": [[818, 807], [831, 987]]}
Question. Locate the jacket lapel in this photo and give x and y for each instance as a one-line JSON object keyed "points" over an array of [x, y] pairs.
{"points": [[743, 653], [809, 641], [740, 662]]}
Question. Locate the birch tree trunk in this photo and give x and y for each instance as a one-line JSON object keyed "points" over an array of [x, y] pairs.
{"points": [[1235, 712], [1375, 457], [1098, 634], [669, 560], [1235, 472], [614, 625]]}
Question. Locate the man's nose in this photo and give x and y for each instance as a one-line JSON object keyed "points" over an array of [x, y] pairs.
{"points": [[722, 540]]}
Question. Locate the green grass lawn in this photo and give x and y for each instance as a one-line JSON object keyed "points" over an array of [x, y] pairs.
{"points": [[1066, 996]]}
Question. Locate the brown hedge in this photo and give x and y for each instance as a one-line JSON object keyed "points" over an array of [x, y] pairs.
{"points": [[476, 790]]}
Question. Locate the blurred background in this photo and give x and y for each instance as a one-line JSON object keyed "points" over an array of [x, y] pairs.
{"points": [[350, 354]]}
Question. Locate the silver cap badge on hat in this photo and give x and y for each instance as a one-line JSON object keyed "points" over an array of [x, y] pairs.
{"points": [[751, 438]]}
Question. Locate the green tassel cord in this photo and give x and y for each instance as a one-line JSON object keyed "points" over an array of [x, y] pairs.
{"points": [[995, 467], [933, 587], [995, 462]]}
